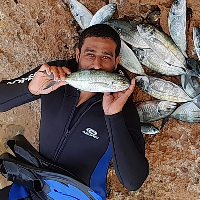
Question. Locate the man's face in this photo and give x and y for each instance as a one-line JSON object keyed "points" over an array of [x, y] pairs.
{"points": [[97, 53]]}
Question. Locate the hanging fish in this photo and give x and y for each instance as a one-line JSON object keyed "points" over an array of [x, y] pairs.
{"points": [[162, 45], [164, 90], [150, 111], [103, 14], [94, 81], [177, 24], [148, 128], [82, 15], [129, 61], [128, 33], [196, 40], [187, 112]]}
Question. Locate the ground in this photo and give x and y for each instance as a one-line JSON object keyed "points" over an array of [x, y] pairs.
{"points": [[36, 31]]}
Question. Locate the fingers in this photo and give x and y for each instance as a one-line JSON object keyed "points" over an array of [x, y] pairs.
{"points": [[132, 85], [41, 80], [45, 67], [56, 72]]}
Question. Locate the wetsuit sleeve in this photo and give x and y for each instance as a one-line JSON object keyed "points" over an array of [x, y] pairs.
{"points": [[128, 147], [15, 92]]}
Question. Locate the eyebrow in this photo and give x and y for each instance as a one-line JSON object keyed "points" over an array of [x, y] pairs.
{"points": [[103, 52]]}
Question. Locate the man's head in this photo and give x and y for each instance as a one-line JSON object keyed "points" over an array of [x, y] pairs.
{"points": [[98, 48]]}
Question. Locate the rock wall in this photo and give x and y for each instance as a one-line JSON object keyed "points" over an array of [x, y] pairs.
{"points": [[38, 31]]}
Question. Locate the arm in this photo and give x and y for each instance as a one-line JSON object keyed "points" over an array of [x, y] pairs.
{"points": [[126, 138], [15, 92]]}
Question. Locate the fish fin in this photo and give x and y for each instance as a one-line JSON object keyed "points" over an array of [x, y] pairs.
{"points": [[164, 121], [50, 84], [185, 79], [196, 101], [193, 67]]}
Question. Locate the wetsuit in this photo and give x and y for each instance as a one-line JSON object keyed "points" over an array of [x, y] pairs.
{"points": [[83, 139]]}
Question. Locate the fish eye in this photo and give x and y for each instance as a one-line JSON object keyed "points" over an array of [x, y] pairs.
{"points": [[124, 82]]}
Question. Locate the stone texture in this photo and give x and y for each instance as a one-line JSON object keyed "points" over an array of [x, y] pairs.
{"points": [[37, 31]]}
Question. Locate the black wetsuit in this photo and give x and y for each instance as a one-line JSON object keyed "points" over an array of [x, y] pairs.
{"points": [[83, 139]]}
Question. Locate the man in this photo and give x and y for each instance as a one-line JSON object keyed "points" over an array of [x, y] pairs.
{"points": [[85, 130]]}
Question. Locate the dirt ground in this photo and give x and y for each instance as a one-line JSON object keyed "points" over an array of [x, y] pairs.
{"points": [[36, 31]]}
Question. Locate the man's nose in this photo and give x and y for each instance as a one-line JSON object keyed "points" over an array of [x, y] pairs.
{"points": [[97, 63]]}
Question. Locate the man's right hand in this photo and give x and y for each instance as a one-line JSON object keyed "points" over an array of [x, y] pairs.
{"points": [[41, 80]]}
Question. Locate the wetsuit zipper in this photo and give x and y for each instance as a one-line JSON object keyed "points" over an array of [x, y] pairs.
{"points": [[64, 138]]}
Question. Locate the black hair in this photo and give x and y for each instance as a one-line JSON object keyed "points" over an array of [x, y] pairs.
{"points": [[103, 31]]}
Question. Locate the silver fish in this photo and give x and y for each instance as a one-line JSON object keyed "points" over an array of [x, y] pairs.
{"points": [[129, 61], [150, 111], [162, 89], [162, 45], [95, 81], [82, 15], [192, 88], [103, 14], [196, 40], [177, 24], [148, 128], [152, 61], [187, 112], [128, 33]]}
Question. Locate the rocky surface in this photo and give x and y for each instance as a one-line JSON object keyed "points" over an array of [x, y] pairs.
{"points": [[37, 31]]}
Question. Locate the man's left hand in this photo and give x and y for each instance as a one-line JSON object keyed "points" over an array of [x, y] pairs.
{"points": [[113, 103]]}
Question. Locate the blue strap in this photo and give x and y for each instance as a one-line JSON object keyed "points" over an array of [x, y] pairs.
{"points": [[17, 192], [60, 191]]}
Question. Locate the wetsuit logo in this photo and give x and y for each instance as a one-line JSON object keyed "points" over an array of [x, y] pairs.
{"points": [[22, 80], [91, 133]]}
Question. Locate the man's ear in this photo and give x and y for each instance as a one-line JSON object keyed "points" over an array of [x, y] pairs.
{"points": [[117, 61], [77, 54]]}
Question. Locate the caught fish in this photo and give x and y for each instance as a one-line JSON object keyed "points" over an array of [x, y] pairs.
{"points": [[196, 40], [152, 61], [177, 24], [150, 111], [128, 33], [163, 90], [187, 112], [82, 15], [148, 128], [192, 88], [162, 45], [103, 14], [95, 81], [129, 61]]}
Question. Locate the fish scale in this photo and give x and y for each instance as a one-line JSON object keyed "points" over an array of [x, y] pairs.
{"points": [[177, 24], [103, 14], [150, 59], [187, 112], [82, 15], [129, 60], [162, 45], [94, 81], [196, 40], [162, 89], [128, 33], [150, 111]]}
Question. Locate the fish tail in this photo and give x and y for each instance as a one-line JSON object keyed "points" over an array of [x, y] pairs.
{"points": [[196, 100], [164, 121], [185, 79]]}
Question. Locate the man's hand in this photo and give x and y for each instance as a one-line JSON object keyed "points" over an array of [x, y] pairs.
{"points": [[41, 80], [114, 103]]}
